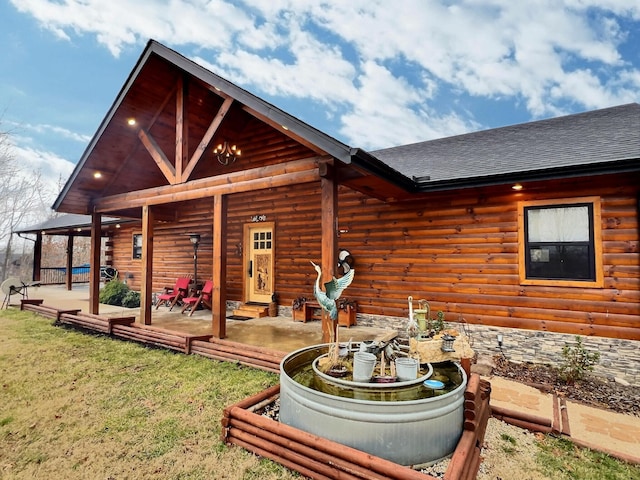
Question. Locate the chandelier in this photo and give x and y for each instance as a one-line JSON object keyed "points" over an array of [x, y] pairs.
{"points": [[226, 154]]}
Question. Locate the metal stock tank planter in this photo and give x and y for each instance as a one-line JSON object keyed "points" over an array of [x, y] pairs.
{"points": [[404, 422]]}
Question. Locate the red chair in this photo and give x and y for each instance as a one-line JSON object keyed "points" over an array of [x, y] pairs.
{"points": [[171, 296], [203, 299]]}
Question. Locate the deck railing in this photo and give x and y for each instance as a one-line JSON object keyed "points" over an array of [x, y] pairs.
{"points": [[58, 275]]}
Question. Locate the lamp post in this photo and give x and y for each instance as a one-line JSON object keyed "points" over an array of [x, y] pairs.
{"points": [[195, 240]]}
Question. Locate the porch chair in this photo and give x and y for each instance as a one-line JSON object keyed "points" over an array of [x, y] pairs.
{"points": [[172, 295], [203, 299]]}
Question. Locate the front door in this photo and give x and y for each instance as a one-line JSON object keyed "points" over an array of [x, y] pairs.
{"points": [[259, 252]]}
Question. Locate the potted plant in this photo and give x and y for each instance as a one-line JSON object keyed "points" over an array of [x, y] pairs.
{"points": [[297, 309]]}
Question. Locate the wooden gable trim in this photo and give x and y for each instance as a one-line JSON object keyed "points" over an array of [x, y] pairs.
{"points": [[152, 147], [285, 129], [182, 128], [300, 171], [158, 156], [206, 139]]}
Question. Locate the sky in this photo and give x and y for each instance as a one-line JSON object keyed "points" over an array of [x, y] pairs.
{"points": [[371, 73]]}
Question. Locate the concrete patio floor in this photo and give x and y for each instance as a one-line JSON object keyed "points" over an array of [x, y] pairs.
{"points": [[279, 333]]}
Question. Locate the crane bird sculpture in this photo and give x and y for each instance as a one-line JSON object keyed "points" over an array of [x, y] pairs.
{"points": [[327, 300], [333, 290]]}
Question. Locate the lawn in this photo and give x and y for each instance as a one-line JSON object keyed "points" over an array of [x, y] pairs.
{"points": [[75, 406]]}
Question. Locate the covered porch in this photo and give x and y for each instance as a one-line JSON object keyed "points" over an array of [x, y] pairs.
{"points": [[279, 333]]}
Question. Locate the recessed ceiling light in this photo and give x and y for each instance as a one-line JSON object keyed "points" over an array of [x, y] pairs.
{"points": [[284, 127], [517, 186], [97, 175], [131, 121]]}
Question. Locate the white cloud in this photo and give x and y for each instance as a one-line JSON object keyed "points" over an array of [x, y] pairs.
{"points": [[380, 65], [52, 129], [54, 169]]}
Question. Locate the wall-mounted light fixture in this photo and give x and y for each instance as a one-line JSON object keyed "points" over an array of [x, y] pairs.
{"points": [[226, 153]]}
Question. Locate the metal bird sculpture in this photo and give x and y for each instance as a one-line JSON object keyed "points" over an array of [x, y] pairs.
{"points": [[333, 290]]}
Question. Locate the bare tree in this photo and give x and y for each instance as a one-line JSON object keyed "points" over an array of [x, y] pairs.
{"points": [[21, 194]]}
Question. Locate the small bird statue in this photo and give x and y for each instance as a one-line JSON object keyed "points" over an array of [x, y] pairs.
{"points": [[333, 290]]}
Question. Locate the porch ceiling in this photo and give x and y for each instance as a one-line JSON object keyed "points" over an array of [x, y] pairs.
{"points": [[181, 111]]}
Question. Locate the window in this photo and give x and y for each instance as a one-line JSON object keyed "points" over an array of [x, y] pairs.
{"points": [[137, 245], [560, 242]]}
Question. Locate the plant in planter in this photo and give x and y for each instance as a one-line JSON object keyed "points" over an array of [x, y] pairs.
{"points": [[437, 325], [347, 310], [297, 308]]}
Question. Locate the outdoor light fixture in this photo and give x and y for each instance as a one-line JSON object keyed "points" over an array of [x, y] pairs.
{"points": [[517, 187], [447, 343], [226, 154]]}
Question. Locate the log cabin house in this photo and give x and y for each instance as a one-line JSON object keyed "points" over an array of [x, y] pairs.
{"points": [[529, 230]]}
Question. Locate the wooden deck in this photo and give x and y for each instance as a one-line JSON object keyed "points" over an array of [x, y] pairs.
{"points": [[126, 328]]}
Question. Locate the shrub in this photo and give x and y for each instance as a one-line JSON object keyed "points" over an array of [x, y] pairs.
{"points": [[577, 361], [113, 293], [131, 299]]}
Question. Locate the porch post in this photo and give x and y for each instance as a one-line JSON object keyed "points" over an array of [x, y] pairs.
{"points": [[146, 285], [329, 221], [94, 265], [219, 294], [68, 278], [37, 258]]}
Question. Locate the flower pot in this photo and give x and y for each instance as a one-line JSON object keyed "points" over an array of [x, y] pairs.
{"points": [[347, 317]]}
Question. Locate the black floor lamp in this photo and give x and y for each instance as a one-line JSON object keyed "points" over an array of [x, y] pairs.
{"points": [[195, 240]]}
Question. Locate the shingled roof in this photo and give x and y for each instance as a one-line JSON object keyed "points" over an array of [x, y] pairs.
{"points": [[600, 141]]}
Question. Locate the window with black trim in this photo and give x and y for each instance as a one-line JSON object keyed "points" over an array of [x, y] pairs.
{"points": [[137, 245], [559, 242]]}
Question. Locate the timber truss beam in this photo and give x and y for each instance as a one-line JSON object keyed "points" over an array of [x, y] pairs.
{"points": [[180, 170], [270, 176]]}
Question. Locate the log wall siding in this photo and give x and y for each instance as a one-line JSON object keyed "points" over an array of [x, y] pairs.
{"points": [[459, 252]]}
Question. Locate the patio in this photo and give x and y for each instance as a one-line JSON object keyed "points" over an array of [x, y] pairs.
{"points": [[279, 333]]}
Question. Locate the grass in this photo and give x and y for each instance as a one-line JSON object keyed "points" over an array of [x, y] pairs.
{"points": [[559, 458], [76, 406]]}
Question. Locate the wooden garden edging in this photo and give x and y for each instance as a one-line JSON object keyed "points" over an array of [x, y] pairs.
{"points": [[159, 337], [250, 355], [125, 327], [319, 458], [36, 306]]}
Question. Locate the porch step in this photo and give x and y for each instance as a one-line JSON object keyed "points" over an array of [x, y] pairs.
{"points": [[252, 310]]}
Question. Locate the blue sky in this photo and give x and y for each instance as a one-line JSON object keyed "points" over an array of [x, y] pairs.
{"points": [[371, 73]]}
